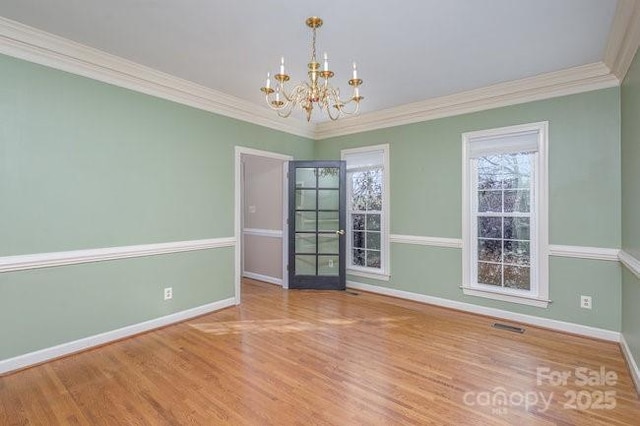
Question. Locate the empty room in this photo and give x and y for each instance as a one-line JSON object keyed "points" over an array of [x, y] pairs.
{"points": [[338, 213]]}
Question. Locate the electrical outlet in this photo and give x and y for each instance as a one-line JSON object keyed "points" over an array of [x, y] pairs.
{"points": [[168, 293], [585, 302]]}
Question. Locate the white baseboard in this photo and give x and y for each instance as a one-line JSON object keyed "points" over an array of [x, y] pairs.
{"points": [[260, 277], [567, 327], [631, 362], [37, 357]]}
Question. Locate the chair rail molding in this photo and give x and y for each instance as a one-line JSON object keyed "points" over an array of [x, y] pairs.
{"points": [[74, 257], [630, 262], [583, 252], [259, 232], [426, 241]]}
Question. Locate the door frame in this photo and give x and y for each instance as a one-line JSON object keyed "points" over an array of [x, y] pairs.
{"points": [[237, 217]]}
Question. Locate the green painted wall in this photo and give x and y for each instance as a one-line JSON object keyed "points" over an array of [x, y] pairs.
{"points": [[83, 165], [584, 200], [86, 165], [631, 204]]}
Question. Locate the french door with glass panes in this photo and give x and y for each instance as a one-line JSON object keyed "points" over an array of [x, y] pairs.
{"points": [[317, 218]]}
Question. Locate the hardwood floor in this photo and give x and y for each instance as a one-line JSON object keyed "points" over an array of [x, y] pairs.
{"points": [[338, 358]]}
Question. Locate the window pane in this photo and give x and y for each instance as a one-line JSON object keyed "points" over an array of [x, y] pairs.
{"points": [[305, 221], [358, 202], [517, 277], [357, 221], [328, 243], [328, 199], [358, 257], [305, 265], [373, 222], [305, 243], [373, 259], [305, 199], [373, 240], [490, 201], [489, 273], [517, 171], [490, 227], [328, 221], [358, 240], [375, 202], [517, 252], [489, 168], [328, 177], [306, 178], [328, 265], [366, 189], [516, 228], [490, 250], [516, 201], [489, 181]]}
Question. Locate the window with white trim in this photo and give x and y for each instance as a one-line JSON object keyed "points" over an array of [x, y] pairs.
{"points": [[505, 225], [368, 211]]}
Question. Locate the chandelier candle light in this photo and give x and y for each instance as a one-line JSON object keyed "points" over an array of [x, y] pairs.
{"points": [[315, 91]]}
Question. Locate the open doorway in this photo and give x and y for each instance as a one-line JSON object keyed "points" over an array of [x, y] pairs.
{"points": [[260, 217]]}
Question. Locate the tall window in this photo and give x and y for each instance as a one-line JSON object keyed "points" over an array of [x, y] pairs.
{"points": [[505, 214], [367, 199]]}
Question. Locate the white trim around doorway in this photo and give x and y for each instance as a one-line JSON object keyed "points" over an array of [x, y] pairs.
{"points": [[237, 217]]}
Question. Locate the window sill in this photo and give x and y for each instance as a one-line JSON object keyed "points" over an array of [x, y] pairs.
{"points": [[506, 297], [380, 276]]}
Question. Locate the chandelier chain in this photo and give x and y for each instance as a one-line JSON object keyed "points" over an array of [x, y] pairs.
{"points": [[313, 43]]}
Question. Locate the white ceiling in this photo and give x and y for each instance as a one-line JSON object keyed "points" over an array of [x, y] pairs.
{"points": [[407, 51]]}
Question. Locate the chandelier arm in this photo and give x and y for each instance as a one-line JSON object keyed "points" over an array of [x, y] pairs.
{"points": [[273, 106]]}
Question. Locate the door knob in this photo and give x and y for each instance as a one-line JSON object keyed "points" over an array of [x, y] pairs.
{"points": [[340, 232]]}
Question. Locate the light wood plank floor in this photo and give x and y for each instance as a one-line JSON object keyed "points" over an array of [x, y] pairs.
{"points": [[316, 358]]}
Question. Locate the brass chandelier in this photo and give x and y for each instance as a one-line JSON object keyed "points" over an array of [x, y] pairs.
{"points": [[316, 91]]}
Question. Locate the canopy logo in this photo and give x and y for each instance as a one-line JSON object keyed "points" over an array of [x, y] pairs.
{"points": [[593, 392]]}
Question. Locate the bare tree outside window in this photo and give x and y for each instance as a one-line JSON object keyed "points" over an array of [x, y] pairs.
{"points": [[503, 218], [366, 207]]}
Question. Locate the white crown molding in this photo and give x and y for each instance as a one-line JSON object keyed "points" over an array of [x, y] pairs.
{"points": [[24, 42], [74, 257], [31, 44], [581, 252], [630, 262], [260, 277], [48, 354], [563, 326], [426, 241], [257, 232], [631, 362], [624, 38], [559, 83]]}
